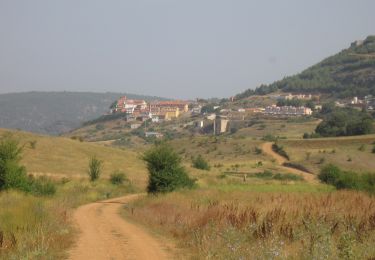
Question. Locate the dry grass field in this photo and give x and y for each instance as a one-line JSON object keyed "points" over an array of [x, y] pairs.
{"points": [[292, 128], [59, 157], [350, 153], [212, 224]]}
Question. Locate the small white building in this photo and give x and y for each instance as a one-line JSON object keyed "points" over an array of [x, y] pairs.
{"points": [[155, 119], [211, 117], [288, 110], [154, 134], [196, 109], [135, 126]]}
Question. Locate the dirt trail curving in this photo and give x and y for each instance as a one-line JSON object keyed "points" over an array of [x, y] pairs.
{"points": [[106, 235], [267, 149]]}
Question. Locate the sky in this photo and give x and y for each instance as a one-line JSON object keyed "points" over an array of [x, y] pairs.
{"points": [[170, 48]]}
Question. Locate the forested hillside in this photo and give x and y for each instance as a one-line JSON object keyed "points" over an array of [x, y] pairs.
{"points": [[54, 112], [351, 72]]}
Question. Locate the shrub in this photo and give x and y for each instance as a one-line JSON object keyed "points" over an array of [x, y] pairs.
{"points": [[200, 163], [41, 186], [296, 166], [287, 177], [118, 177], [12, 175], [362, 148], [270, 138], [373, 149], [33, 144], [264, 175], [95, 168], [280, 150], [99, 127], [258, 150], [333, 175], [165, 170], [329, 174], [278, 176]]}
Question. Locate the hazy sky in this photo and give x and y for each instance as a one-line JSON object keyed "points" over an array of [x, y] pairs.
{"points": [[172, 48]]}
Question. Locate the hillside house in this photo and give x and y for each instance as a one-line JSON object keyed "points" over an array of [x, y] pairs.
{"points": [[154, 134], [155, 119], [135, 126], [221, 125], [129, 106], [288, 111], [196, 109], [183, 106], [290, 96], [130, 118], [211, 117], [255, 110]]}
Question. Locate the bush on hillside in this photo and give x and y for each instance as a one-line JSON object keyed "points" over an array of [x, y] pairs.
{"points": [[270, 138], [41, 186], [200, 163], [95, 168], [333, 175], [280, 150], [278, 176], [118, 178], [166, 173], [14, 176], [296, 166]]}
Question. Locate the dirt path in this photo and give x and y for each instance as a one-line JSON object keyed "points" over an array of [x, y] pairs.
{"points": [[267, 149], [106, 235]]}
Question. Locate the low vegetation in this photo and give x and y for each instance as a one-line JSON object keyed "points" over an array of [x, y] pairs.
{"points": [[95, 168], [253, 225], [118, 177], [335, 176], [280, 150], [278, 176], [200, 163]]}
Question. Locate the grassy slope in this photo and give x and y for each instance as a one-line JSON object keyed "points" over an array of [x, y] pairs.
{"points": [[65, 157], [342, 151], [346, 74]]}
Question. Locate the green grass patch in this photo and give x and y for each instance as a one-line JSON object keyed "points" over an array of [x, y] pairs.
{"points": [[274, 187]]}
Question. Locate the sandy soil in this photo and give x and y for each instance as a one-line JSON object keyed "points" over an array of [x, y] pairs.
{"points": [[267, 149], [106, 235]]}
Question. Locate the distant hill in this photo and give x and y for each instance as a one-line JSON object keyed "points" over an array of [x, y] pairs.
{"points": [[349, 73], [55, 112]]}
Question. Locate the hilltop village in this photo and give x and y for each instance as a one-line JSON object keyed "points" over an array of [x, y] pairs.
{"points": [[218, 116]]}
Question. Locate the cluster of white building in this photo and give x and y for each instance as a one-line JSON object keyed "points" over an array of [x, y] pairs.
{"points": [[288, 111]]}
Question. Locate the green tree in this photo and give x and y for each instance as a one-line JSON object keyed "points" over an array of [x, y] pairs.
{"points": [[345, 122], [95, 168], [12, 174], [165, 170]]}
